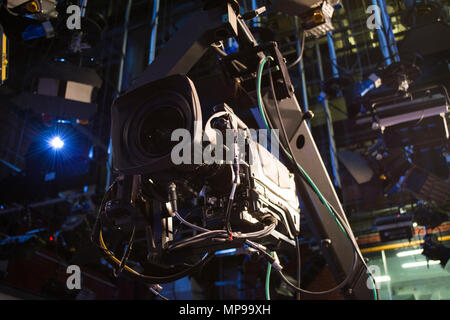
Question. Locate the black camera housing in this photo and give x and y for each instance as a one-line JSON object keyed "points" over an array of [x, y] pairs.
{"points": [[143, 119]]}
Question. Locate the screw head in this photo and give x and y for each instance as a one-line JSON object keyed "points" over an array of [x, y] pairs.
{"points": [[325, 242], [375, 126], [308, 115]]}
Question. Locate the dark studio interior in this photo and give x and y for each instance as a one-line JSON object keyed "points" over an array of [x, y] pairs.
{"points": [[224, 150]]}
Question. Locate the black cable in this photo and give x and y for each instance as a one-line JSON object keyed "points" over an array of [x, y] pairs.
{"points": [[299, 266], [317, 293], [277, 108], [110, 255], [99, 212], [228, 217], [271, 260], [126, 254], [300, 56], [297, 245], [236, 63], [177, 229], [161, 279], [350, 274], [156, 293]]}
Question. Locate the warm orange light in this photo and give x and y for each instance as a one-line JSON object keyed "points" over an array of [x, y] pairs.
{"points": [[32, 7], [318, 17]]}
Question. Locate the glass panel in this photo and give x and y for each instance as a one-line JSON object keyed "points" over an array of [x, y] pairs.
{"points": [[406, 275]]}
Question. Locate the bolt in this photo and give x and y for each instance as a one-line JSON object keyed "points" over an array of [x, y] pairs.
{"points": [[308, 115], [325, 242], [375, 126]]}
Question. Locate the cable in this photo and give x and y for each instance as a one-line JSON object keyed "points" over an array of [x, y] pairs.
{"points": [[178, 228], [155, 292], [299, 266], [306, 178], [171, 208], [257, 234], [339, 286], [228, 216], [303, 174], [300, 56], [221, 235], [100, 210], [154, 279], [236, 63], [236, 182], [269, 270], [126, 254]]}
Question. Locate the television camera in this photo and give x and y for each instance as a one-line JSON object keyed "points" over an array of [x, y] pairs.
{"points": [[188, 194]]}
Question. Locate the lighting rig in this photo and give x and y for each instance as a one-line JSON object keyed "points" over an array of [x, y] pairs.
{"points": [[188, 210]]}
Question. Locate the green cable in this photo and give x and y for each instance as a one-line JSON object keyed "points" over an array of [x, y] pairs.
{"points": [[374, 289], [310, 181], [258, 90], [269, 270], [308, 178]]}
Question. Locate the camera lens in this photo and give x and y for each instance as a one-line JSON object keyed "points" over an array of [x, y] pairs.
{"points": [[156, 130]]}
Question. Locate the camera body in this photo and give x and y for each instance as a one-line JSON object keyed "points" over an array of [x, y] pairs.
{"points": [[143, 126]]}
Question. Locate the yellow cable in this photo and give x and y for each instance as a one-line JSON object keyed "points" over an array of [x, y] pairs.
{"points": [[111, 255]]}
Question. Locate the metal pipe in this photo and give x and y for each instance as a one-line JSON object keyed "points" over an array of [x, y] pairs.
{"points": [[11, 166], [83, 8], [119, 83], [256, 20], [400, 245], [381, 37], [388, 30], [333, 57], [332, 144], [154, 34], [124, 48], [301, 68], [350, 19], [386, 272]]}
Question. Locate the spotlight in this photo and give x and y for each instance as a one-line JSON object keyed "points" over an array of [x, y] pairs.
{"points": [[56, 143]]}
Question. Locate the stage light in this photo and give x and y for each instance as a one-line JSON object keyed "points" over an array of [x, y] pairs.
{"points": [[419, 264], [56, 143], [409, 253]]}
